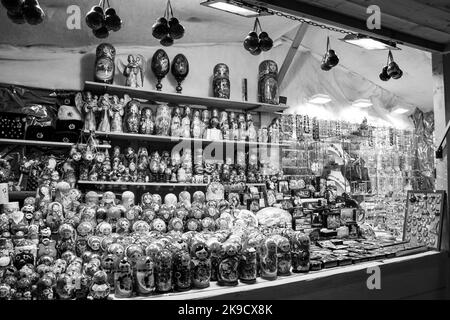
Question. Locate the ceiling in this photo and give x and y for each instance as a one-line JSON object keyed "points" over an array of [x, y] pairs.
{"points": [[421, 23], [202, 24], [205, 25]]}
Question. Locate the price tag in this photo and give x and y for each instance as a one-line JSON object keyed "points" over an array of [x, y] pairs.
{"points": [[4, 196]]}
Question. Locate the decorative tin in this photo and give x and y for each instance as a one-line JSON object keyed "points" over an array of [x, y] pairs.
{"points": [[104, 63], [268, 82]]}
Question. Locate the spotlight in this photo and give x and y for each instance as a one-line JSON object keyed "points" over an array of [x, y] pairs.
{"points": [[369, 43], [362, 103], [319, 99]]}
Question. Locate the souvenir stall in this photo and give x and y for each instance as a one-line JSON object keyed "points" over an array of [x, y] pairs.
{"points": [[197, 171]]}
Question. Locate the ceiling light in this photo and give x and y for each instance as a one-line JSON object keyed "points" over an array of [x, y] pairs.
{"points": [[236, 7], [400, 110], [369, 43], [319, 99], [362, 103]]}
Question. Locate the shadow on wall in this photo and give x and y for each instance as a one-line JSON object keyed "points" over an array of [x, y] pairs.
{"points": [[87, 68]]}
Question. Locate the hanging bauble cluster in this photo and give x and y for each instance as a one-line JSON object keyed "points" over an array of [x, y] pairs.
{"points": [[330, 59], [102, 20], [167, 28], [255, 43], [21, 11], [391, 69]]}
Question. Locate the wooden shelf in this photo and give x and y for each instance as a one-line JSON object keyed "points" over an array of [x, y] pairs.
{"points": [[156, 184], [153, 184], [174, 140], [181, 99], [36, 143], [47, 143]]}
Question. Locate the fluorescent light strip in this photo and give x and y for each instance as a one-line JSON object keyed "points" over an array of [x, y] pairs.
{"points": [[320, 99], [228, 7], [362, 103], [400, 110]]}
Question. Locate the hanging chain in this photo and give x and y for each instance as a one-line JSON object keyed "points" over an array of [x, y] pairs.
{"points": [[309, 22]]}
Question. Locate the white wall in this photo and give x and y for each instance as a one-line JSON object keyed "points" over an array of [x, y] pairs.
{"points": [[68, 69]]}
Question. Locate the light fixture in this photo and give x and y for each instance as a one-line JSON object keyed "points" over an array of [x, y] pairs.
{"points": [[362, 103], [369, 43], [236, 7], [399, 110], [319, 99]]}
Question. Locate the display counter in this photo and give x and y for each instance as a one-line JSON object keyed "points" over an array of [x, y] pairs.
{"points": [[419, 276]]}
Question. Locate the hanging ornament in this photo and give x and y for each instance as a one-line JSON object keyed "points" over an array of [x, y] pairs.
{"points": [[167, 28], [21, 11], [393, 70], [255, 43], [102, 19], [330, 59]]}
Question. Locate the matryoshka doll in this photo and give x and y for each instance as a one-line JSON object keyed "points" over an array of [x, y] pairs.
{"points": [[182, 271], [205, 122], [147, 124], [283, 255], [144, 277], [268, 259], [132, 116], [215, 248], [300, 244], [108, 265], [268, 82], [100, 288], [200, 264], [224, 125], [185, 131], [67, 238], [196, 125], [227, 273], [123, 279], [175, 125], [133, 252], [104, 63], [163, 271], [54, 217], [162, 120], [234, 127], [248, 266]]}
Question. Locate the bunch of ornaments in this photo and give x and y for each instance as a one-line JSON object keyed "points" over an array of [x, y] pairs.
{"points": [[102, 20], [111, 114], [21, 11], [170, 167], [61, 248], [256, 43], [167, 29]]}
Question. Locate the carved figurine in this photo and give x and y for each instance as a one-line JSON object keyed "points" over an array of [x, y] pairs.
{"points": [[90, 108], [185, 130], [251, 130], [134, 71], [104, 105], [117, 112]]}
